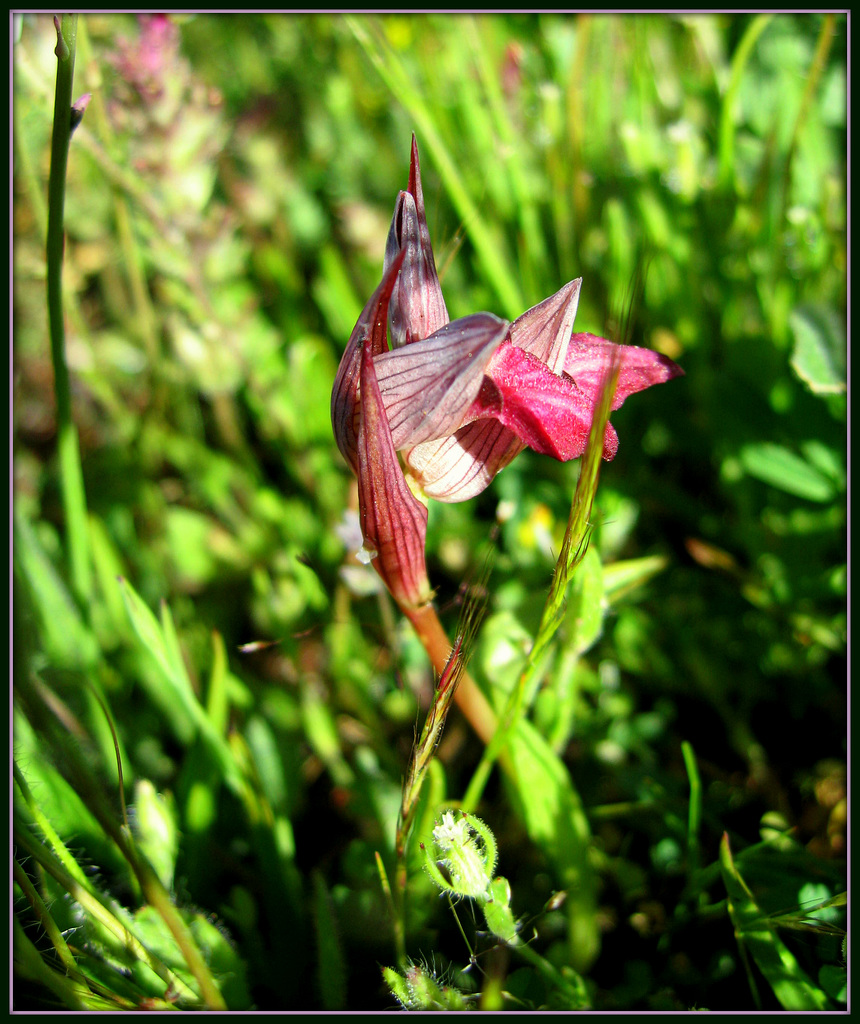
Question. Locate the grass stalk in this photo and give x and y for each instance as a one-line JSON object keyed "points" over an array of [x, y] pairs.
{"points": [[71, 472], [47, 922], [727, 127], [694, 817], [572, 552], [468, 696], [813, 79], [37, 706]]}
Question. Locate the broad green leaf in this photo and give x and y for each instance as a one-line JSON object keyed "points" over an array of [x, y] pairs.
{"points": [[274, 776], [67, 640], [819, 356], [109, 567], [56, 807], [220, 957], [322, 734], [73, 994], [498, 913], [834, 980], [503, 646], [586, 603], [826, 460], [198, 545], [781, 468], [177, 698], [619, 578], [186, 714], [218, 696], [157, 829]]}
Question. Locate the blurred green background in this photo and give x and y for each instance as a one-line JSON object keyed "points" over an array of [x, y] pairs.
{"points": [[229, 194]]}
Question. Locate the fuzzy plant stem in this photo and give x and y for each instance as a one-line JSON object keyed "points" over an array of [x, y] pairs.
{"points": [[71, 475], [471, 701], [36, 702]]}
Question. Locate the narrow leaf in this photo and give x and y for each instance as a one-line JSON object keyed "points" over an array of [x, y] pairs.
{"points": [[755, 931], [781, 468], [555, 820]]}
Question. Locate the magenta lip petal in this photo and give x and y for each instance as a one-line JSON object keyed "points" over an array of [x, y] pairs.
{"points": [[589, 356], [549, 413], [461, 400]]}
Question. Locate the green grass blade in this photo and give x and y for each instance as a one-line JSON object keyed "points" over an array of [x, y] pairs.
{"points": [[487, 245], [572, 554], [74, 499], [65, 637], [755, 932], [694, 815], [727, 127], [104, 911], [159, 642], [331, 969]]}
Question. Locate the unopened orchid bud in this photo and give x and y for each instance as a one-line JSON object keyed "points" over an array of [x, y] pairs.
{"points": [[417, 306]]}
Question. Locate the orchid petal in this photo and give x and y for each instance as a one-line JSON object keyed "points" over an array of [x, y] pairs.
{"points": [[457, 468], [544, 330], [417, 306], [549, 413], [428, 386], [460, 400], [589, 356], [344, 396], [393, 520]]}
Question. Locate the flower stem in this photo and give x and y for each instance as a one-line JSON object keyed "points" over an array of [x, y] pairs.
{"points": [[471, 701], [71, 474]]}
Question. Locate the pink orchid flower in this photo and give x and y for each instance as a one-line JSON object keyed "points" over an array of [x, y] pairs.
{"points": [[460, 399]]}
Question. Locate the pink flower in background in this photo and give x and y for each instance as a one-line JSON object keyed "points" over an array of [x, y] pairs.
{"points": [[146, 61]]}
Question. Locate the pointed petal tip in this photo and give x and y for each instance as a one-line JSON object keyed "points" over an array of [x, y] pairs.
{"points": [[589, 357], [415, 176], [545, 329], [672, 367], [664, 369]]}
